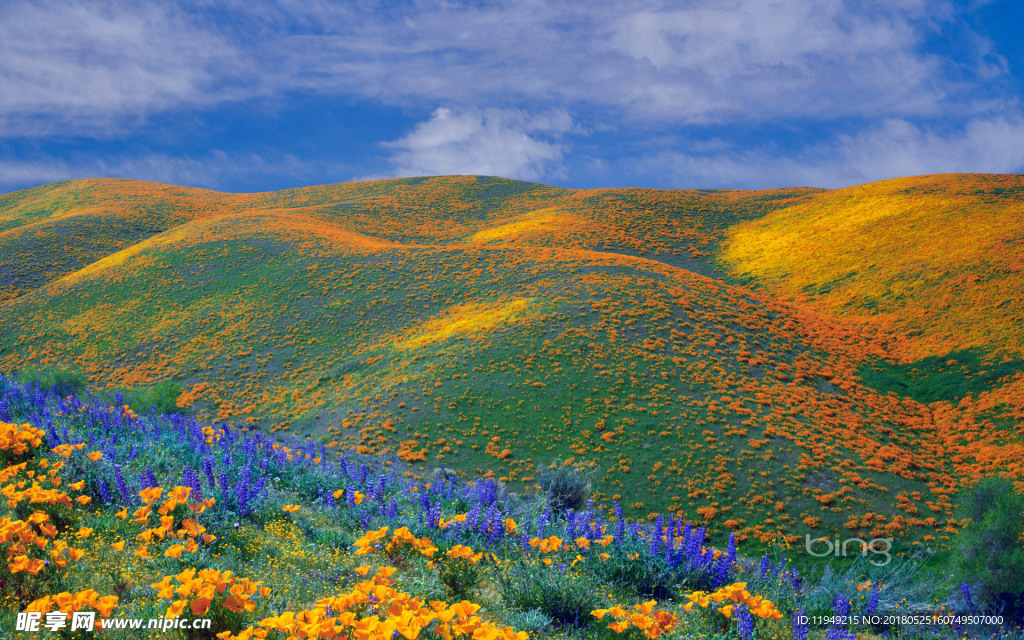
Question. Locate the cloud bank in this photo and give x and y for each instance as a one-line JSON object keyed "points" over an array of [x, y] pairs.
{"points": [[512, 87]]}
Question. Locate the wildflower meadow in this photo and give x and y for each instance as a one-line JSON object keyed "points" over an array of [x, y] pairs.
{"points": [[161, 517], [470, 407]]}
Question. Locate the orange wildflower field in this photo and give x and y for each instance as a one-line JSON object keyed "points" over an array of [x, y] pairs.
{"points": [[767, 363]]}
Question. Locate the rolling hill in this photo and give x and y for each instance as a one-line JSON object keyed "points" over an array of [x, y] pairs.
{"points": [[770, 362]]}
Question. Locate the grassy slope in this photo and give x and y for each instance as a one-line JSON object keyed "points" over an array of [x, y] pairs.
{"points": [[488, 324], [936, 264]]}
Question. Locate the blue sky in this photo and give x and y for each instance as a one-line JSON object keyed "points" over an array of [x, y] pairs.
{"points": [[258, 96]]}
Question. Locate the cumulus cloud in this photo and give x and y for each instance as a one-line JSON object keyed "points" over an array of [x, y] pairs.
{"points": [[506, 143], [890, 149]]}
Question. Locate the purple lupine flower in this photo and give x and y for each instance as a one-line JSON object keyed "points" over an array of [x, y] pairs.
{"points": [[51, 435], [242, 489], [524, 544], [744, 621], [800, 625], [190, 478], [731, 549], [839, 633], [103, 491], [148, 479], [473, 517], [656, 533], [795, 581], [766, 567], [328, 497], [840, 609], [873, 600], [122, 485], [131, 455], [694, 542], [350, 496], [542, 522], [392, 511], [965, 591], [208, 472], [720, 572]]}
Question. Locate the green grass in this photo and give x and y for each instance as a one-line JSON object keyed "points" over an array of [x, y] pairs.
{"points": [[949, 377]]}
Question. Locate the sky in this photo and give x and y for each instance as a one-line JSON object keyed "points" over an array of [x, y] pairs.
{"points": [[251, 95]]}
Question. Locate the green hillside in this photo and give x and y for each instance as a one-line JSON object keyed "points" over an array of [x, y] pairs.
{"points": [[489, 325]]}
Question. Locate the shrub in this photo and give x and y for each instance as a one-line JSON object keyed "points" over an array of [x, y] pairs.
{"points": [[567, 487], [561, 596], [161, 398], [461, 571], [64, 383], [630, 568], [532, 621], [991, 557]]}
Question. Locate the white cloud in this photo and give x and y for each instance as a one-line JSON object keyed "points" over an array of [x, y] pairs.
{"points": [[89, 64], [212, 171], [506, 143], [74, 67], [891, 149]]}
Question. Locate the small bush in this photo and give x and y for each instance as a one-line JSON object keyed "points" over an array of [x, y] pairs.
{"points": [[991, 557], [530, 621], [567, 487], [161, 398], [561, 596], [64, 383], [460, 576]]}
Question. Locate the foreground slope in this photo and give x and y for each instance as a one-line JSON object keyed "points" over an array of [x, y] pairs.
{"points": [[491, 325]]}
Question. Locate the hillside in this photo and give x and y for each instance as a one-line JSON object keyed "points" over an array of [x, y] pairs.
{"points": [[727, 355]]}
